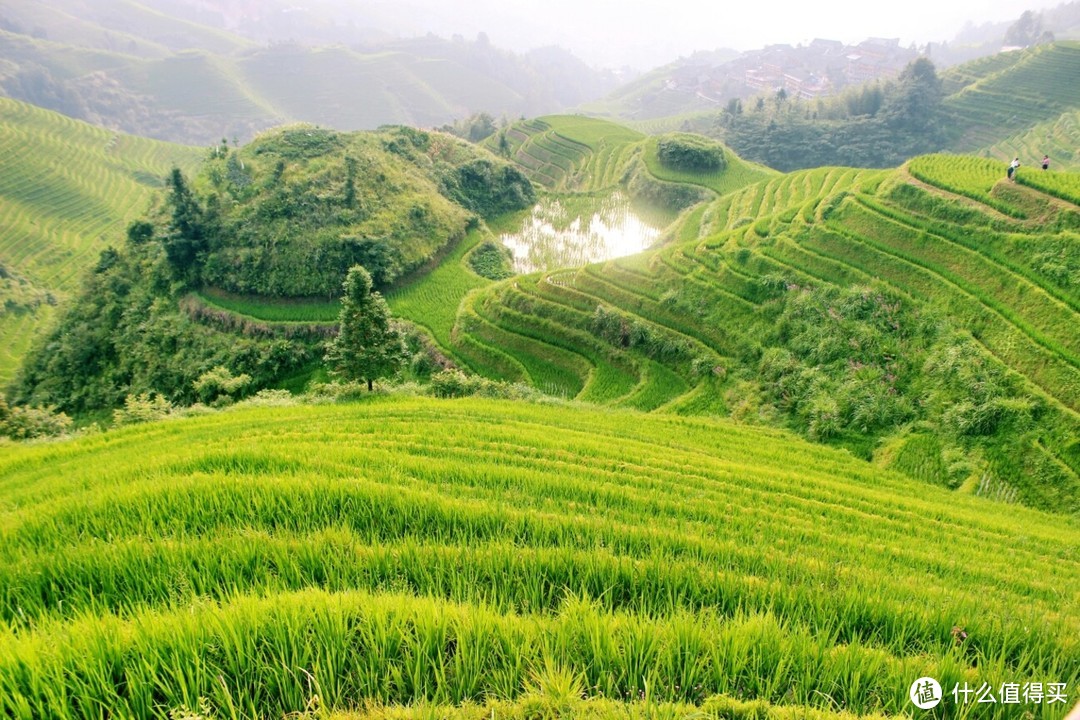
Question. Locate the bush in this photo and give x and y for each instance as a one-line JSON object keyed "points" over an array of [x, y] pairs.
{"points": [[218, 384], [24, 423], [490, 188], [692, 153], [144, 407], [492, 260], [454, 384]]}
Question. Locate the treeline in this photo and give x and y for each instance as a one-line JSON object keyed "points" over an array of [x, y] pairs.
{"points": [[880, 125]]}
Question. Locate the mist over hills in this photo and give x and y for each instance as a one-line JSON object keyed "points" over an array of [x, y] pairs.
{"points": [[133, 68]]}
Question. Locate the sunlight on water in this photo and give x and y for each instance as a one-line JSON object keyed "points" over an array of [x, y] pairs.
{"points": [[556, 235]]}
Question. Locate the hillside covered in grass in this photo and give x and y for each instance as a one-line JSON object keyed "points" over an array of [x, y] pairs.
{"points": [[265, 561], [1016, 94], [67, 192], [581, 154], [924, 318], [214, 273]]}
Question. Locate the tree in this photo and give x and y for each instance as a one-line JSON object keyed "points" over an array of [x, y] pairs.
{"points": [[186, 239], [915, 105], [368, 346], [1026, 31]]}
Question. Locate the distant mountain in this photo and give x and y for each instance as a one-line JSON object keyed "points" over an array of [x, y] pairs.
{"points": [[158, 70]]}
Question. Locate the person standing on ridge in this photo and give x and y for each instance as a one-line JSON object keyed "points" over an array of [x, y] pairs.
{"points": [[1012, 168], [1046, 162]]}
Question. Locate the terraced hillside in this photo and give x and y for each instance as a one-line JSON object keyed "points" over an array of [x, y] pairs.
{"points": [[264, 562], [68, 190], [1023, 102], [924, 317], [577, 153]]}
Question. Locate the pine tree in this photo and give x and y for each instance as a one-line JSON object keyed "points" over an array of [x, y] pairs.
{"points": [[368, 346]]}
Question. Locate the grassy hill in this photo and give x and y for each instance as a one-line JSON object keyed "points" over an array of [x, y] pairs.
{"points": [[518, 557], [853, 306], [582, 154], [68, 191]]}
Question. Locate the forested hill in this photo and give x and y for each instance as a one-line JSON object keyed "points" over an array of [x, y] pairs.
{"points": [[280, 220]]}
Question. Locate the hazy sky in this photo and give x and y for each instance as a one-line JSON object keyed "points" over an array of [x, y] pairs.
{"points": [[646, 33]]}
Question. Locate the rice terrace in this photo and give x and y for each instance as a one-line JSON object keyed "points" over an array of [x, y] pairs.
{"points": [[541, 416]]}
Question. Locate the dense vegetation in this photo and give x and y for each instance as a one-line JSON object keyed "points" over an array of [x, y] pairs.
{"points": [[551, 561], [493, 543], [870, 127], [690, 152], [325, 201], [297, 197], [66, 192]]}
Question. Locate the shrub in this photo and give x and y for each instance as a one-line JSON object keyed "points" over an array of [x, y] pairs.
{"points": [[692, 153], [24, 423], [492, 260], [454, 383], [144, 407], [218, 384]]}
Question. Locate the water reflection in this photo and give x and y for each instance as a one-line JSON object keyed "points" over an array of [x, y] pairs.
{"points": [[576, 231]]}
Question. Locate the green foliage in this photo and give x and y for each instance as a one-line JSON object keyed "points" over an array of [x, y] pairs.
{"points": [[127, 333], [142, 408], [490, 188], [218, 384], [692, 153], [474, 128], [187, 237], [1027, 31], [977, 396], [326, 201], [453, 383], [841, 359], [368, 346], [25, 423], [881, 126], [68, 190], [491, 260], [822, 301]]}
